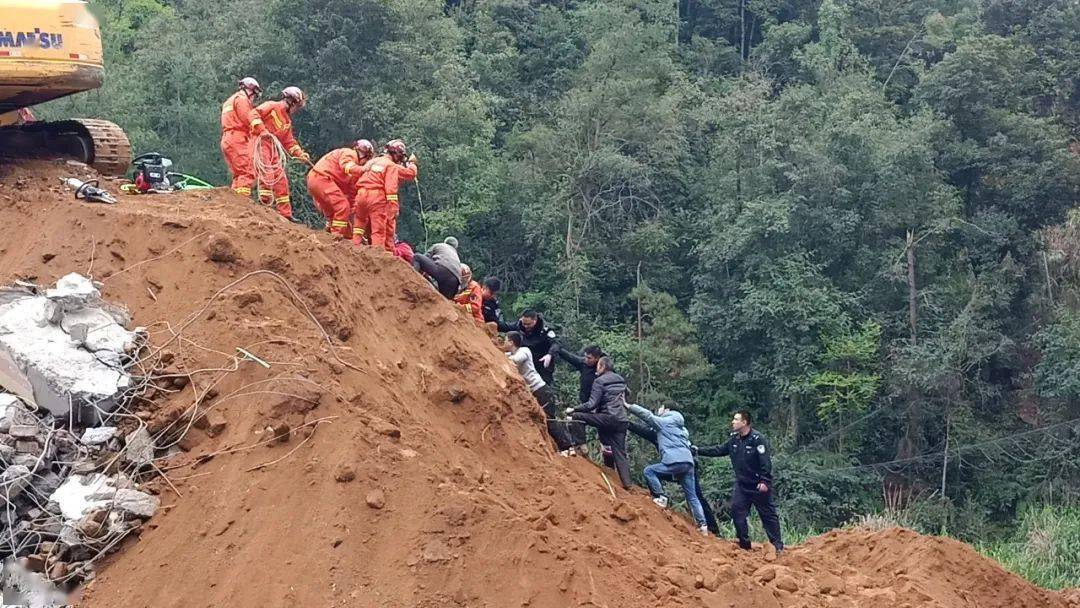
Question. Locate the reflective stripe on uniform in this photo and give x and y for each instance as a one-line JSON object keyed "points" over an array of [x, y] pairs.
{"points": [[339, 224], [282, 199], [244, 191], [392, 197], [277, 121]]}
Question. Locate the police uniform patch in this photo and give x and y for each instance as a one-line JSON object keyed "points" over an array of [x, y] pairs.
{"points": [[760, 449]]}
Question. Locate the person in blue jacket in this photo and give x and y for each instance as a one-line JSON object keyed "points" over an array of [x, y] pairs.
{"points": [[676, 459]]}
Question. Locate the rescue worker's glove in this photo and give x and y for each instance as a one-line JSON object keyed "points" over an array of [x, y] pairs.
{"points": [[569, 411], [412, 159], [304, 156], [258, 129]]}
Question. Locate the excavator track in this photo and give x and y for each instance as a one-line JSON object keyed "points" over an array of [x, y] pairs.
{"points": [[98, 143]]}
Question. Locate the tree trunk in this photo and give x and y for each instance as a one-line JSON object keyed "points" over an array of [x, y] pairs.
{"points": [[913, 292]]}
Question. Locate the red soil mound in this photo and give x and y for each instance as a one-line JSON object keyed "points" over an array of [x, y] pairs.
{"points": [[415, 471]]}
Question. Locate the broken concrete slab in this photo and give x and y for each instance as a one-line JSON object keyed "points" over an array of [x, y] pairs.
{"points": [[41, 362], [140, 447], [139, 504], [98, 435], [24, 431], [14, 480], [78, 495]]}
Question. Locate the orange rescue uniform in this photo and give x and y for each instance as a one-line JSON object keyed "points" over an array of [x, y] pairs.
{"points": [[471, 300], [275, 116], [240, 124], [377, 199], [332, 184]]}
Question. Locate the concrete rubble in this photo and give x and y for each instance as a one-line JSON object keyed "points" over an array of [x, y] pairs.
{"points": [[66, 500], [65, 349]]}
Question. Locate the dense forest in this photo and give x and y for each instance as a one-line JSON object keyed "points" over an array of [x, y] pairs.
{"points": [[856, 218]]}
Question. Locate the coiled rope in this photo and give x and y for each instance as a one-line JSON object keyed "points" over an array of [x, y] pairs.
{"points": [[269, 171]]}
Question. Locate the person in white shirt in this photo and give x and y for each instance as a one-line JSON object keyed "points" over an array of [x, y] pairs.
{"points": [[523, 359]]}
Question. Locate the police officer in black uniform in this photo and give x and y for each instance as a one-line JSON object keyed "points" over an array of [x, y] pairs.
{"points": [[751, 458]]}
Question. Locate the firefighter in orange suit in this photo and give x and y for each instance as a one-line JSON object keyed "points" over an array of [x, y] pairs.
{"points": [[377, 194], [332, 183], [240, 125], [471, 296], [277, 118]]}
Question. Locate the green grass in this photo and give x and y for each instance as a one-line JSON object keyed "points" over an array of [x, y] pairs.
{"points": [[1044, 548]]}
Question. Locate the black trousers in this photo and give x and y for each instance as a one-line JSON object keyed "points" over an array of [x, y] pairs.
{"points": [[741, 499], [556, 428], [444, 278], [612, 432], [648, 433]]}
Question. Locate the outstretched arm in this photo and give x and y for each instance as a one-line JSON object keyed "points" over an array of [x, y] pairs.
{"points": [[646, 416], [715, 450], [575, 361]]}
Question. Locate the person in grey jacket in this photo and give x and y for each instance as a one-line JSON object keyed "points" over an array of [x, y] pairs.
{"points": [[606, 411], [442, 266], [676, 459]]}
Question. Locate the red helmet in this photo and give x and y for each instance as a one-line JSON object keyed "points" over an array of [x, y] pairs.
{"points": [[395, 146], [250, 85], [295, 95], [363, 146]]}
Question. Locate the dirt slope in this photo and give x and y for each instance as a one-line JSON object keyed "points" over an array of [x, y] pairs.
{"points": [[416, 473]]}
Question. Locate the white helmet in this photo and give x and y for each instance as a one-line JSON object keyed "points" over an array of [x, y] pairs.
{"points": [[250, 85], [295, 95]]}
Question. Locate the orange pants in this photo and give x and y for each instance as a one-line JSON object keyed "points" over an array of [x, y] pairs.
{"points": [[366, 200], [236, 148], [384, 216], [332, 202], [278, 192]]}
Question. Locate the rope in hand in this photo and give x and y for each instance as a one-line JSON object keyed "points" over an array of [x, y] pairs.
{"points": [[269, 171]]}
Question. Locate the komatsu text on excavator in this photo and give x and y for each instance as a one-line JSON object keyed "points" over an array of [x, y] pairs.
{"points": [[50, 49]]}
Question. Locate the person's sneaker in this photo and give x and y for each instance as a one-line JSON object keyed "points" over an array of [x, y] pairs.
{"points": [[704, 530], [661, 501]]}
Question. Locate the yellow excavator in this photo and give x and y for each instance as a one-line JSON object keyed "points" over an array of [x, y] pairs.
{"points": [[50, 49]]}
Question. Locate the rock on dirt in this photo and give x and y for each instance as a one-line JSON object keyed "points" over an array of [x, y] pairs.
{"points": [[624, 513], [344, 474], [375, 499], [220, 249], [383, 427]]}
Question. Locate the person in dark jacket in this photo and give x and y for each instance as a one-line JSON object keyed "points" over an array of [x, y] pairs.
{"points": [[539, 340], [606, 412], [751, 458], [586, 367], [492, 312], [676, 459], [648, 433]]}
